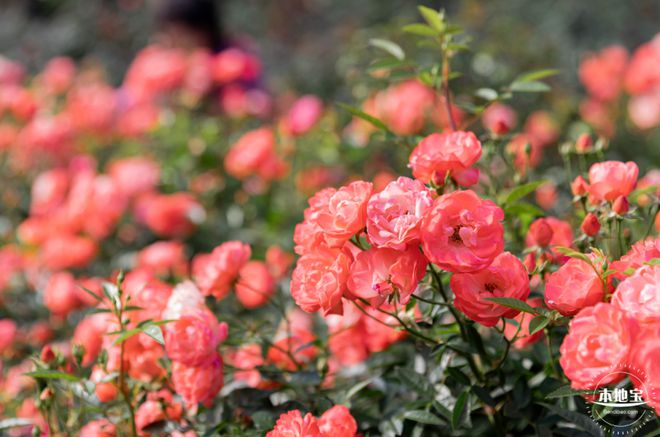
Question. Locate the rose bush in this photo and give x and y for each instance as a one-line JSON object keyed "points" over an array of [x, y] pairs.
{"points": [[463, 267]]}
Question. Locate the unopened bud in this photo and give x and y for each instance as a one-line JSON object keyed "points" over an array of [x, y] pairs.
{"points": [[590, 225], [621, 205], [579, 186], [584, 143]]}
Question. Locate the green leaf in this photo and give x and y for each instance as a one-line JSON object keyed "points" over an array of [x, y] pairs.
{"points": [[424, 417], [459, 408], [565, 391], [523, 208], [91, 293], [530, 87], [155, 332], [364, 116], [434, 18], [521, 191], [582, 421], [537, 323], [487, 94], [420, 29], [536, 75], [14, 422], [390, 47], [52, 374], [516, 304], [356, 388], [653, 262], [567, 251]]}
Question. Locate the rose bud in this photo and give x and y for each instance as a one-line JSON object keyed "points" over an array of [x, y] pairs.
{"points": [[541, 232], [621, 205], [47, 354], [584, 143], [579, 186], [590, 225]]}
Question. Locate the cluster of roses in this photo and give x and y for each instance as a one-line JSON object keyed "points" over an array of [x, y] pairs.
{"points": [[58, 111], [458, 232], [611, 71], [336, 422]]}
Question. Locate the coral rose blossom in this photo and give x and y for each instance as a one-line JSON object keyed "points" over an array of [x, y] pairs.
{"points": [[394, 214], [345, 213], [438, 154], [505, 277], [639, 295], [319, 280], [337, 422], [293, 424], [574, 286], [645, 359], [598, 340], [174, 215], [255, 285], [377, 274], [462, 232], [562, 235], [216, 272], [611, 179], [639, 253], [98, 428], [198, 384], [194, 337]]}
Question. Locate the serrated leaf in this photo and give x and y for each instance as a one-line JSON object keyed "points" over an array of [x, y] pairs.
{"points": [[513, 303], [424, 417], [433, 18], [459, 408], [530, 87], [364, 116], [420, 29], [521, 191], [52, 374], [538, 323], [536, 75], [390, 47]]}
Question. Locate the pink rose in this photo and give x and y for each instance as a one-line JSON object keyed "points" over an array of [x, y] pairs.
{"points": [[645, 363], [60, 295], [345, 213], [438, 154], [337, 422], [247, 358], [255, 285], [173, 215], [293, 424], [198, 384], [505, 277], [304, 113], [319, 280], [216, 272], [98, 428], [163, 258], [598, 341], [394, 215], [377, 274], [135, 176], [499, 118], [254, 155], [562, 235], [611, 179], [462, 233], [639, 253], [308, 235], [639, 295], [8, 330], [194, 337], [576, 285], [602, 72]]}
